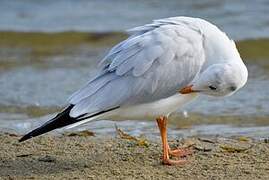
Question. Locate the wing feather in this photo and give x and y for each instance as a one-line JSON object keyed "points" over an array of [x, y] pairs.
{"points": [[144, 62], [92, 87], [153, 63], [123, 56]]}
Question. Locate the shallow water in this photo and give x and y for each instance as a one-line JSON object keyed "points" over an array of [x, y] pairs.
{"points": [[31, 71], [249, 17], [39, 70]]}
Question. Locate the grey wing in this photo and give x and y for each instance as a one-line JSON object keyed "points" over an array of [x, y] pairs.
{"points": [[153, 63]]}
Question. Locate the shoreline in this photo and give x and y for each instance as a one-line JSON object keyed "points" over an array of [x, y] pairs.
{"points": [[84, 156]]}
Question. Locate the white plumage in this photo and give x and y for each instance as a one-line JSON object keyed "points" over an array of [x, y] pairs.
{"points": [[143, 74], [159, 68]]}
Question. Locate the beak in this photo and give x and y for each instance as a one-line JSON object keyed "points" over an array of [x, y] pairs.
{"points": [[187, 90]]}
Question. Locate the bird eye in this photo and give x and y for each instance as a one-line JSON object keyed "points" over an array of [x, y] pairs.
{"points": [[212, 87], [233, 88]]}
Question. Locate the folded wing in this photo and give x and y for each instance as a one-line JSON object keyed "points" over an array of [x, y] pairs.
{"points": [[153, 63]]}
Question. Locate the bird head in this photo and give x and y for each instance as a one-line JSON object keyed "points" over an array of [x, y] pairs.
{"points": [[219, 80]]}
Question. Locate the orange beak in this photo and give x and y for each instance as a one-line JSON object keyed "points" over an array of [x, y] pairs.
{"points": [[187, 90]]}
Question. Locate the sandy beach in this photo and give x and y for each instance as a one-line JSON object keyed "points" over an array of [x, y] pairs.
{"points": [[49, 49], [83, 156]]}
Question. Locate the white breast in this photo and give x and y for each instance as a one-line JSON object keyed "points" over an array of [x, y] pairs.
{"points": [[151, 110]]}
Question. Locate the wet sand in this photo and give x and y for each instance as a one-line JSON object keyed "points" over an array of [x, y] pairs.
{"points": [[83, 156]]}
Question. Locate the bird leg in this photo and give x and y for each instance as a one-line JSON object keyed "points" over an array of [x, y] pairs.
{"points": [[162, 124]]}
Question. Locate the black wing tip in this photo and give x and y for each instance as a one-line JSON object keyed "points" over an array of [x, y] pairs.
{"points": [[48, 126], [61, 120], [56, 122], [26, 137]]}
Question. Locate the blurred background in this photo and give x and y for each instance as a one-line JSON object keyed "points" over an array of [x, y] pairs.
{"points": [[48, 49]]}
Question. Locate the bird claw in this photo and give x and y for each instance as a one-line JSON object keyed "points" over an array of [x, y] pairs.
{"points": [[180, 152]]}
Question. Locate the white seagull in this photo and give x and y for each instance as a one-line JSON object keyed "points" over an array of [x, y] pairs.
{"points": [[160, 67]]}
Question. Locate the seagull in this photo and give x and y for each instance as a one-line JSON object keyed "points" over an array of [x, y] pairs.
{"points": [[159, 68]]}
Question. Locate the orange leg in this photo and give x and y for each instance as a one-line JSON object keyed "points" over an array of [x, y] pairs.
{"points": [[162, 124]]}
